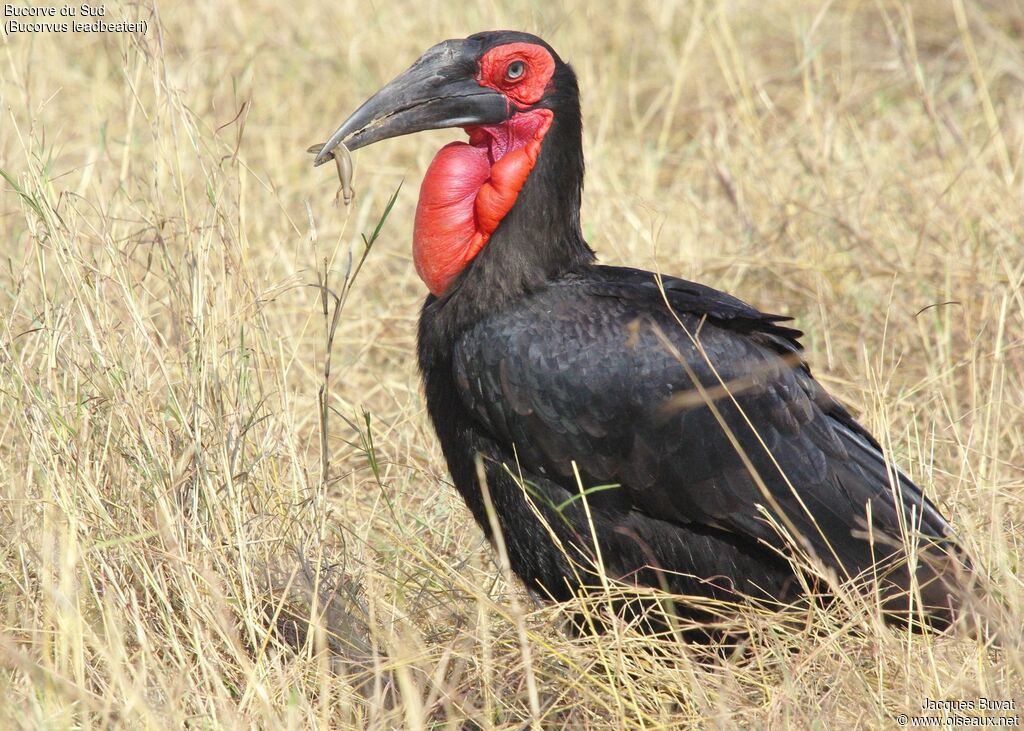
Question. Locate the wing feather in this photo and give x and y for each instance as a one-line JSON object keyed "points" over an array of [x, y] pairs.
{"points": [[599, 371]]}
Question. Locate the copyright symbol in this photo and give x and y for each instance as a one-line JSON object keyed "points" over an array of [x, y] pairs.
{"points": [[902, 719]]}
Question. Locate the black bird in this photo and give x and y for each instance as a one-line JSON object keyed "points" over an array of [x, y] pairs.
{"points": [[709, 456]]}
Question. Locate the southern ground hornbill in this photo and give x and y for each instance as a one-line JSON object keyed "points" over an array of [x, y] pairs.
{"points": [[662, 427]]}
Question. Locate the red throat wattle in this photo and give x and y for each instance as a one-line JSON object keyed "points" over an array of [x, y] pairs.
{"points": [[468, 189]]}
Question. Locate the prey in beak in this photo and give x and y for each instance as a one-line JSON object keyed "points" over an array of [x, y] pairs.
{"points": [[343, 160]]}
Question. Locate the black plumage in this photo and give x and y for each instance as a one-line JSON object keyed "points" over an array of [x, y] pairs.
{"points": [[693, 412]]}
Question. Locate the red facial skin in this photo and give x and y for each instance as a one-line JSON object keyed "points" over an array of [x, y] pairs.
{"points": [[470, 187], [526, 89]]}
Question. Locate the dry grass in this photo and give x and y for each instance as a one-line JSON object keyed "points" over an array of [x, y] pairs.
{"points": [[855, 164]]}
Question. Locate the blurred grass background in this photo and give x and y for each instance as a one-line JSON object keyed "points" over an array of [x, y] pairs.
{"points": [[170, 554]]}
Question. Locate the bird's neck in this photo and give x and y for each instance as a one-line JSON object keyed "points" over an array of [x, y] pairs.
{"points": [[539, 239]]}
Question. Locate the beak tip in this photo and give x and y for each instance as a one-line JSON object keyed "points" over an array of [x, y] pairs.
{"points": [[322, 155]]}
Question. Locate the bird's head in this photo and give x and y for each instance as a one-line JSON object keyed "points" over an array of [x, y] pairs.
{"points": [[505, 89]]}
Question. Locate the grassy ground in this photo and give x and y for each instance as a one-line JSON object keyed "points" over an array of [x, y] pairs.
{"points": [[167, 534]]}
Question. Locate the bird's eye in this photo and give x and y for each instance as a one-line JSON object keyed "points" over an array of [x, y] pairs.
{"points": [[515, 70]]}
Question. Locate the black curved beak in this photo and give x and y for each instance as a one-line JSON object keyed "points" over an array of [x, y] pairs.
{"points": [[435, 92]]}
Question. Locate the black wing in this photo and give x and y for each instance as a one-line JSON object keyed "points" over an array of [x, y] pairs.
{"points": [[599, 371]]}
